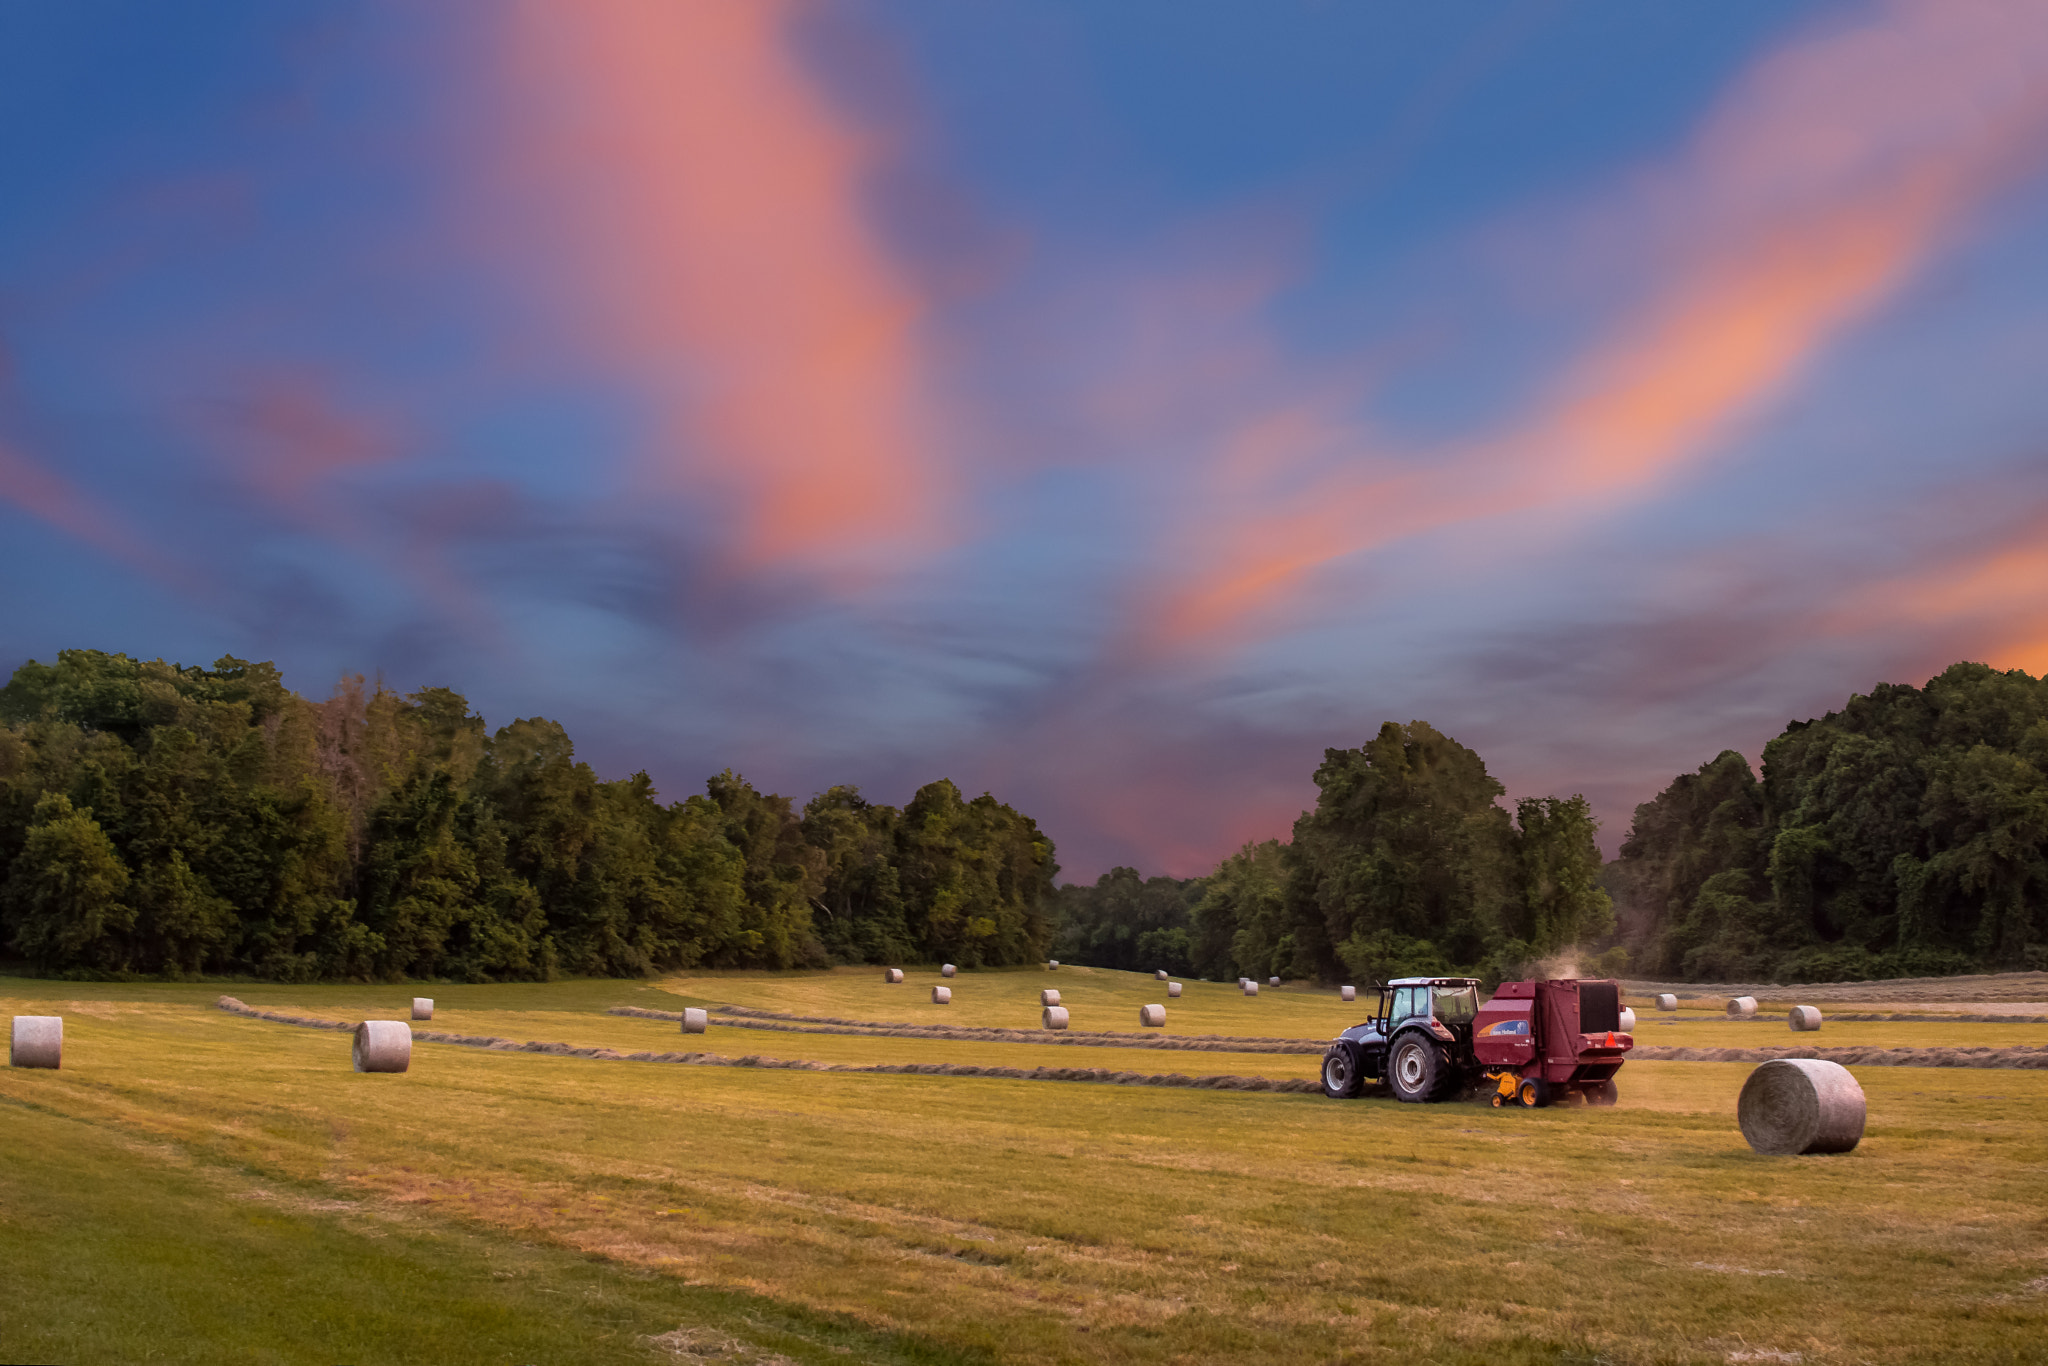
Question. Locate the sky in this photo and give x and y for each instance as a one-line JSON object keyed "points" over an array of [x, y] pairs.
{"points": [[1109, 407]]}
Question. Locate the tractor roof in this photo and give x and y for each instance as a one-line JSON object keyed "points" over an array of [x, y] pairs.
{"points": [[1434, 982]]}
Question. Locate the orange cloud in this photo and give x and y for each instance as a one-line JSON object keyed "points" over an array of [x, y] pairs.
{"points": [[1827, 177], [1993, 603], [706, 206]]}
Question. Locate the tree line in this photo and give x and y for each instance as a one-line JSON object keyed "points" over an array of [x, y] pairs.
{"points": [[1905, 835], [168, 820], [1407, 864]]}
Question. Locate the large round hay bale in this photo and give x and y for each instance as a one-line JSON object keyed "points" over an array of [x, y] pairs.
{"points": [[694, 1020], [1251, 988], [1628, 1020], [1667, 1002], [948, 970], [893, 975], [1159, 974], [423, 1007], [1053, 963], [1049, 997], [942, 996], [1801, 1105], [382, 1046], [37, 1041], [1742, 1007], [1055, 1017], [1173, 988], [1348, 993], [1805, 1019], [1152, 1017], [1274, 982]]}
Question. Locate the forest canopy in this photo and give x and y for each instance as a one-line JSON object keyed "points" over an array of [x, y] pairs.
{"points": [[160, 819], [1408, 863], [1905, 835], [169, 820]]}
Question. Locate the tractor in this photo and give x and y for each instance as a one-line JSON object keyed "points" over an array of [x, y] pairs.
{"points": [[1533, 1043]]}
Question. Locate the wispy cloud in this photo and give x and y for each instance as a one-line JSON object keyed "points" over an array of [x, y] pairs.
{"points": [[1827, 176], [702, 209]]}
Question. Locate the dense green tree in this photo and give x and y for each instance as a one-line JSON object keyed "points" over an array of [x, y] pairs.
{"points": [[1406, 863], [1129, 922], [1562, 904], [861, 898], [977, 878], [1239, 926], [1905, 834], [169, 819], [63, 894]]}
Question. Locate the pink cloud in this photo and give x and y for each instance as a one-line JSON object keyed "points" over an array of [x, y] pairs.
{"points": [[1823, 181], [703, 203]]}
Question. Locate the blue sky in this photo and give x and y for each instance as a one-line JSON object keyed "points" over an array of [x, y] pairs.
{"points": [[1109, 407]]}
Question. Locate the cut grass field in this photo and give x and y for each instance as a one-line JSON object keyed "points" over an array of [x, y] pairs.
{"points": [[199, 1186]]}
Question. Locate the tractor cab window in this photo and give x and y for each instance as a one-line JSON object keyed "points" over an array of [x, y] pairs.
{"points": [[1407, 1003], [1454, 1002]]}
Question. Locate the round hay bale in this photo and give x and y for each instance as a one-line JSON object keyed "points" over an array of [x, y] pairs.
{"points": [[1805, 1019], [942, 996], [1159, 974], [1667, 1002], [37, 1041], [1152, 1017], [423, 1007], [1348, 993], [1801, 1105], [1274, 982], [1627, 1024], [1173, 988], [893, 975], [1053, 963], [1251, 988], [1742, 1007], [382, 1046], [1049, 997], [694, 1020], [948, 970], [1055, 1017]]}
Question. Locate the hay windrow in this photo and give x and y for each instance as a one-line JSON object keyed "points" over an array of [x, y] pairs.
{"points": [[2033, 1059], [1199, 1043], [1100, 1075], [1994, 986]]}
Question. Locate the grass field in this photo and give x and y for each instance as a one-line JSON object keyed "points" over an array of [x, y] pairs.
{"points": [[197, 1186]]}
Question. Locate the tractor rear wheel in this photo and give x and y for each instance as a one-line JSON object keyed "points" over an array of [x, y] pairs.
{"points": [[1340, 1073], [1416, 1070]]}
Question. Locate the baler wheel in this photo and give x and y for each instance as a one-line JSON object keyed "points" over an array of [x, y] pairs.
{"points": [[1603, 1093], [1532, 1093]]}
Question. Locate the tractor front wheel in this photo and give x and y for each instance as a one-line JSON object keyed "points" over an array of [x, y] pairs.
{"points": [[1417, 1070], [1340, 1073]]}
